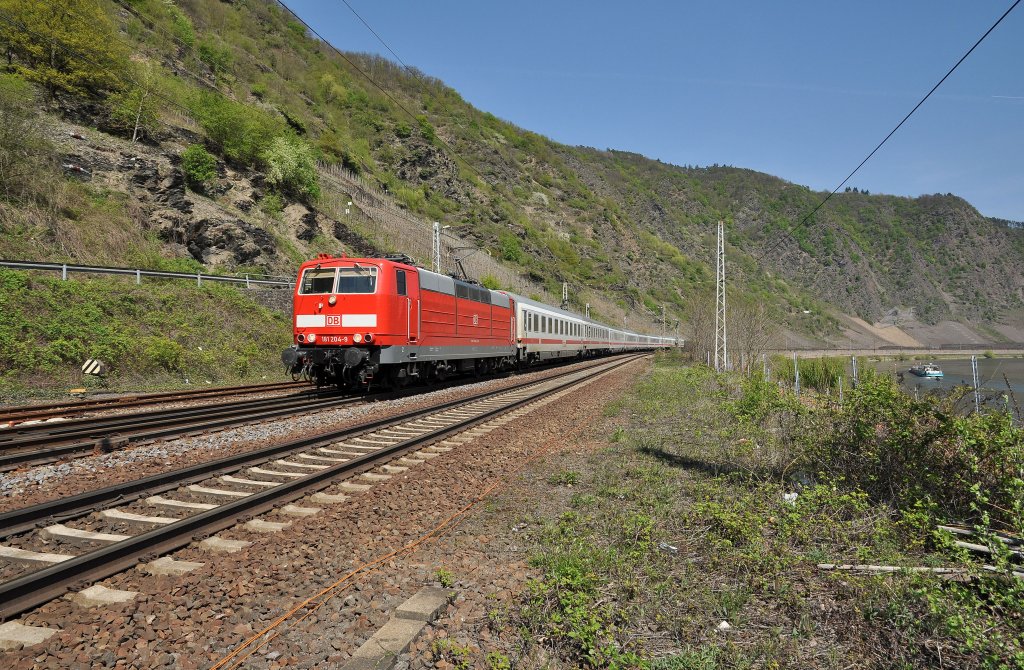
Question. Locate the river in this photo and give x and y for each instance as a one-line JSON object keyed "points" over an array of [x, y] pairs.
{"points": [[993, 373]]}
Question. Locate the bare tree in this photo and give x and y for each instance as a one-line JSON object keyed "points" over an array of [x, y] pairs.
{"points": [[751, 329], [701, 310]]}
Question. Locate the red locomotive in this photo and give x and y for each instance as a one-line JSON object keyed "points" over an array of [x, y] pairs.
{"points": [[359, 321]]}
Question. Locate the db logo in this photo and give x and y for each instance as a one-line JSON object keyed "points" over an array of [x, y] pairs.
{"points": [[476, 319], [334, 319]]}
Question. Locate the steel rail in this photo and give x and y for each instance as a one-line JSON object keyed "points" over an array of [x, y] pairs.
{"points": [[41, 586], [26, 412], [55, 431], [20, 520], [175, 429]]}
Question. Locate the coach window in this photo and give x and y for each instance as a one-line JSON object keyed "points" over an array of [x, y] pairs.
{"points": [[357, 279], [400, 282], [317, 280]]}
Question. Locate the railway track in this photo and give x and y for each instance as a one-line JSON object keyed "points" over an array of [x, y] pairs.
{"points": [[16, 415], [41, 443], [118, 526]]}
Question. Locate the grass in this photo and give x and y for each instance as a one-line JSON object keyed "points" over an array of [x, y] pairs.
{"points": [[683, 522], [153, 334]]}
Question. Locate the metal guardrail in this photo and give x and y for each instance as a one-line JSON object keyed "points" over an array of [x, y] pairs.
{"points": [[65, 268]]}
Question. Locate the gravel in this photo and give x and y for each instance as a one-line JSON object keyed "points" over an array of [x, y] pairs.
{"points": [[22, 488], [192, 621]]}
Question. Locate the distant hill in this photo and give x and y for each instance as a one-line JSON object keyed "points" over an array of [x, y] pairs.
{"points": [[267, 102]]}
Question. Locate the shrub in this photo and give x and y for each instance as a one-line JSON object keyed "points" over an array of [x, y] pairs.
{"points": [[272, 204], [163, 353], [242, 132], [218, 58], [199, 166], [922, 454], [426, 129], [291, 167], [509, 247], [761, 398], [331, 90], [182, 27]]}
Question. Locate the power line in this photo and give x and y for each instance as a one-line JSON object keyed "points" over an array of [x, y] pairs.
{"points": [[372, 81], [379, 38], [821, 204], [349, 61]]}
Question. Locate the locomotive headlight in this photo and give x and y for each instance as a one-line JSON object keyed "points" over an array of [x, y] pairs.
{"points": [[311, 337], [332, 301], [368, 338], [357, 338]]}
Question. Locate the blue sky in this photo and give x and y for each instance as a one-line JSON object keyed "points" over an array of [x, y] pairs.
{"points": [[801, 90]]}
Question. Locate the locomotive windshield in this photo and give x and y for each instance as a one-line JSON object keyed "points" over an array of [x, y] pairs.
{"points": [[357, 280], [317, 280]]}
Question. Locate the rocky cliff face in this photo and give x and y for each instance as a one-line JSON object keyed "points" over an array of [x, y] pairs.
{"points": [[222, 227]]}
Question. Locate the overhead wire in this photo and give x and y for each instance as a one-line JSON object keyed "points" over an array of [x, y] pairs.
{"points": [[379, 38], [372, 81], [892, 132]]}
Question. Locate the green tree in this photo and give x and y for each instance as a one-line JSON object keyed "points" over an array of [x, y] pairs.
{"points": [[25, 156], [291, 166], [65, 45], [133, 111]]}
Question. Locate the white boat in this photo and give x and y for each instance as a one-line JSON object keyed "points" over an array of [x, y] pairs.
{"points": [[927, 370]]}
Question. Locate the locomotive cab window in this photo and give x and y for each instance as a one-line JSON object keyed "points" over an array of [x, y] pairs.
{"points": [[316, 281], [400, 282], [357, 280]]}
